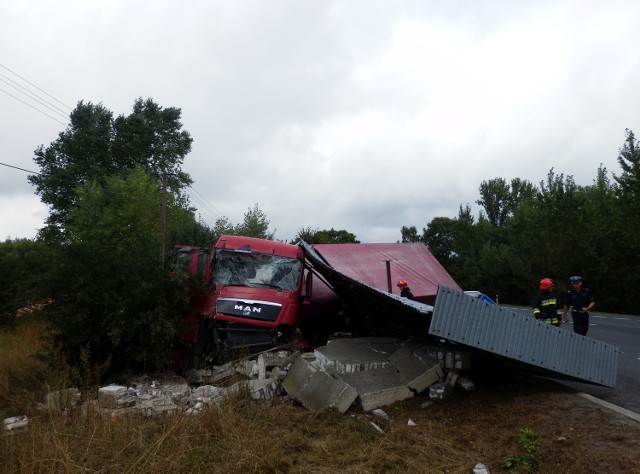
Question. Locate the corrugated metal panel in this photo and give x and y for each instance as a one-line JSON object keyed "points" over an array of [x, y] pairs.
{"points": [[470, 321]]}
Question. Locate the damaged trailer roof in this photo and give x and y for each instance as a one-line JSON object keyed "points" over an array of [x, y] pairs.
{"points": [[382, 265], [462, 319], [388, 314]]}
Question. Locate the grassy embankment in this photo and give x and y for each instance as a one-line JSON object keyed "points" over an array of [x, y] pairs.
{"points": [[573, 435]]}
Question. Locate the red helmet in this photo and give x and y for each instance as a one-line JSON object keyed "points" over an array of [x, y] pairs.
{"points": [[546, 283], [402, 283]]}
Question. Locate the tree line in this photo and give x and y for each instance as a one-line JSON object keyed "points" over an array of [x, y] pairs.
{"points": [[118, 204], [555, 229]]}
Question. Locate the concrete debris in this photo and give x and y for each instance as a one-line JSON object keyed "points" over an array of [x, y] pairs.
{"points": [[480, 468], [466, 384], [440, 390], [316, 389], [374, 372], [377, 428], [15, 423], [382, 371], [356, 355], [417, 374], [62, 399], [380, 413], [377, 387]]}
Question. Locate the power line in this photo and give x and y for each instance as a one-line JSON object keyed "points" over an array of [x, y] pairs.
{"points": [[33, 85], [33, 96], [34, 108], [17, 168], [209, 205]]}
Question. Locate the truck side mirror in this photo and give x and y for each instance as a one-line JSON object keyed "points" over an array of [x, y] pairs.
{"points": [[308, 285]]}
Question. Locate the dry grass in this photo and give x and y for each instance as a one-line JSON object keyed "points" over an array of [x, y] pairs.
{"points": [[244, 436]]}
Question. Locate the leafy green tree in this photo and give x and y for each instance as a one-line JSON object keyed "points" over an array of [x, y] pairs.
{"points": [[25, 265], [330, 236], [255, 224], [223, 226], [81, 153], [114, 306], [152, 137], [628, 217], [440, 235], [499, 199], [95, 146], [409, 234]]}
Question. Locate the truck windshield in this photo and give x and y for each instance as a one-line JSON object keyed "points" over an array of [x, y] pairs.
{"points": [[256, 269]]}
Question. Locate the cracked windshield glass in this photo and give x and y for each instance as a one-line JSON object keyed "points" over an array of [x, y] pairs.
{"points": [[256, 270]]}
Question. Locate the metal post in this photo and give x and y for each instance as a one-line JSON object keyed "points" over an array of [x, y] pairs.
{"points": [[388, 262], [163, 218]]}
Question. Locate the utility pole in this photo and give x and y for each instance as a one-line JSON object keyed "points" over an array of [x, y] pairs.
{"points": [[163, 218]]}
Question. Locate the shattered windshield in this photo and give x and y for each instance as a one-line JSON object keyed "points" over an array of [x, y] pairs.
{"points": [[256, 270]]}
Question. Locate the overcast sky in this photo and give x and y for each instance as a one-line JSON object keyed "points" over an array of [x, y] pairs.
{"points": [[358, 115]]}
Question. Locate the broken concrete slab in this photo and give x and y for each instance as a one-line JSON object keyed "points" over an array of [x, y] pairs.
{"points": [[417, 374], [108, 395], [258, 389], [377, 387], [213, 375], [354, 355], [316, 389]]}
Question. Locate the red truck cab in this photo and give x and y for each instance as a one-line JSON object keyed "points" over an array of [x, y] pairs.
{"points": [[247, 297]]}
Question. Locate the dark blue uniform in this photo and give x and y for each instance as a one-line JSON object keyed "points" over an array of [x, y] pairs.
{"points": [[406, 292], [578, 299]]}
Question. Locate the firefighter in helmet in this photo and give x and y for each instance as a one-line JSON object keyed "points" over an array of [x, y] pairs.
{"points": [[404, 289], [546, 306]]}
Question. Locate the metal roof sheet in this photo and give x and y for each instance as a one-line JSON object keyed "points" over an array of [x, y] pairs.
{"points": [[470, 321], [388, 314], [412, 262]]}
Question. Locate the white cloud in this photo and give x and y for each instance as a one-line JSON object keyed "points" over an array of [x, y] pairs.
{"points": [[356, 115]]}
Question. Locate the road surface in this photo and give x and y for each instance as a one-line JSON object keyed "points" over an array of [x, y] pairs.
{"points": [[622, 331]]}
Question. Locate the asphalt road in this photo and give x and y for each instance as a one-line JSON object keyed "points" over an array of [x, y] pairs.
{"points": [[622, 331]]}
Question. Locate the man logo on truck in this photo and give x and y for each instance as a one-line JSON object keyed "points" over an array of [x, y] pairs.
{"points": [[247, 310]]}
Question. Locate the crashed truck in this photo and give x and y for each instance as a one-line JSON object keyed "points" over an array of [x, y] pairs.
{"points": [[252, 295]]}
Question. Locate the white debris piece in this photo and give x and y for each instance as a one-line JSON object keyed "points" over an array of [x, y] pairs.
{"points": [[378, 429], [410, 422], [108, 396], [380, 413], [15, 423], [480, 469], [466, 384]]}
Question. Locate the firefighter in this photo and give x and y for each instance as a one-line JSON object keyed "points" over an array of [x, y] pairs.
{"points": [[580, 300], [404, 289], [546, 306]]}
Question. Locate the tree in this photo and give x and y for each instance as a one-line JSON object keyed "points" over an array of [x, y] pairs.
{"points": [[25, 264], [95, 146], [152, 137], [629, 160], [254, 224], [330, 236], [409, 234], [81, 153], [499, 199], [628, 217], [114, 306]]}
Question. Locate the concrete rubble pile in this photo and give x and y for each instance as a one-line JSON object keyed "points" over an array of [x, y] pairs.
{"points": [[368, 372]]}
